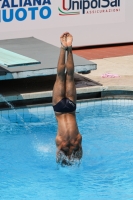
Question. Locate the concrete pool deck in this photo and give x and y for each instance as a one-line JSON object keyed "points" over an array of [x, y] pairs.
{"points": [[122, 66], [105, 87]]}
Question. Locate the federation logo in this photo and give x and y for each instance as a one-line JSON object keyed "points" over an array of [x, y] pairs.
{"points": [[72, 7], [21, 10]]}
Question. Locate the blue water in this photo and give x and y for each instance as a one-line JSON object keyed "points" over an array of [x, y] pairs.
{"points": [[28, 170]]}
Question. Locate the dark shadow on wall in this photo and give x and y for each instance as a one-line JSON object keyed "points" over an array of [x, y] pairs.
{"points": [[36, 84]]}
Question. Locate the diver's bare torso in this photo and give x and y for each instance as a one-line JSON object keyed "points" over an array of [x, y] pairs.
{"points": [[68, 133], [67, 124]]}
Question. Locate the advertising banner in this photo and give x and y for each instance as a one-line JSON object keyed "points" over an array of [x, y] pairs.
{"points": [[92, 22]]}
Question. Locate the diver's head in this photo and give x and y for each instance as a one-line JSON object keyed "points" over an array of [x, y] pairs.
{"points": [[64, 158], [69, 151]]}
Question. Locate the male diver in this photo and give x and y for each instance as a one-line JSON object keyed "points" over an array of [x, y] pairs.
{"points": [[68, 139]]}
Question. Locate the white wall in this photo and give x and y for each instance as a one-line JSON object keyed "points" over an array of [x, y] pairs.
{"points": [[87, 29]]}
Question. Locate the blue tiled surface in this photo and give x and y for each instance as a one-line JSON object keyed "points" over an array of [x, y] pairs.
{"points": [[39, 113]]}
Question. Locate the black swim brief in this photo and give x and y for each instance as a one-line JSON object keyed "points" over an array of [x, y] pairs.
{"points": [[65, 106]]}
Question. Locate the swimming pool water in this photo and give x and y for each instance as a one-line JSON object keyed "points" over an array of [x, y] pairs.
{"points": [[28, 170]]}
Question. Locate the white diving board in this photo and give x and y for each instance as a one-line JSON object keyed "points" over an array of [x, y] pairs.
{"points": [[11, 59]]}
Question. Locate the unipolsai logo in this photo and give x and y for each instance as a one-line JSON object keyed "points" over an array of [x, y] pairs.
{"points": [[72, 7], [21, 10]]}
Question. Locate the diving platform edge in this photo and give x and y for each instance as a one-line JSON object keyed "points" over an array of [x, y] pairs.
{"points": [[38, 50]]}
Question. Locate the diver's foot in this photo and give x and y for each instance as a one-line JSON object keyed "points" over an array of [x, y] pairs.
{"points": [[69, 41], [63, 40]]}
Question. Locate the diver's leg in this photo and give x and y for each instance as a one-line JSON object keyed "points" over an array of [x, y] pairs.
{"points": [[59, 86], [70, 84]]}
